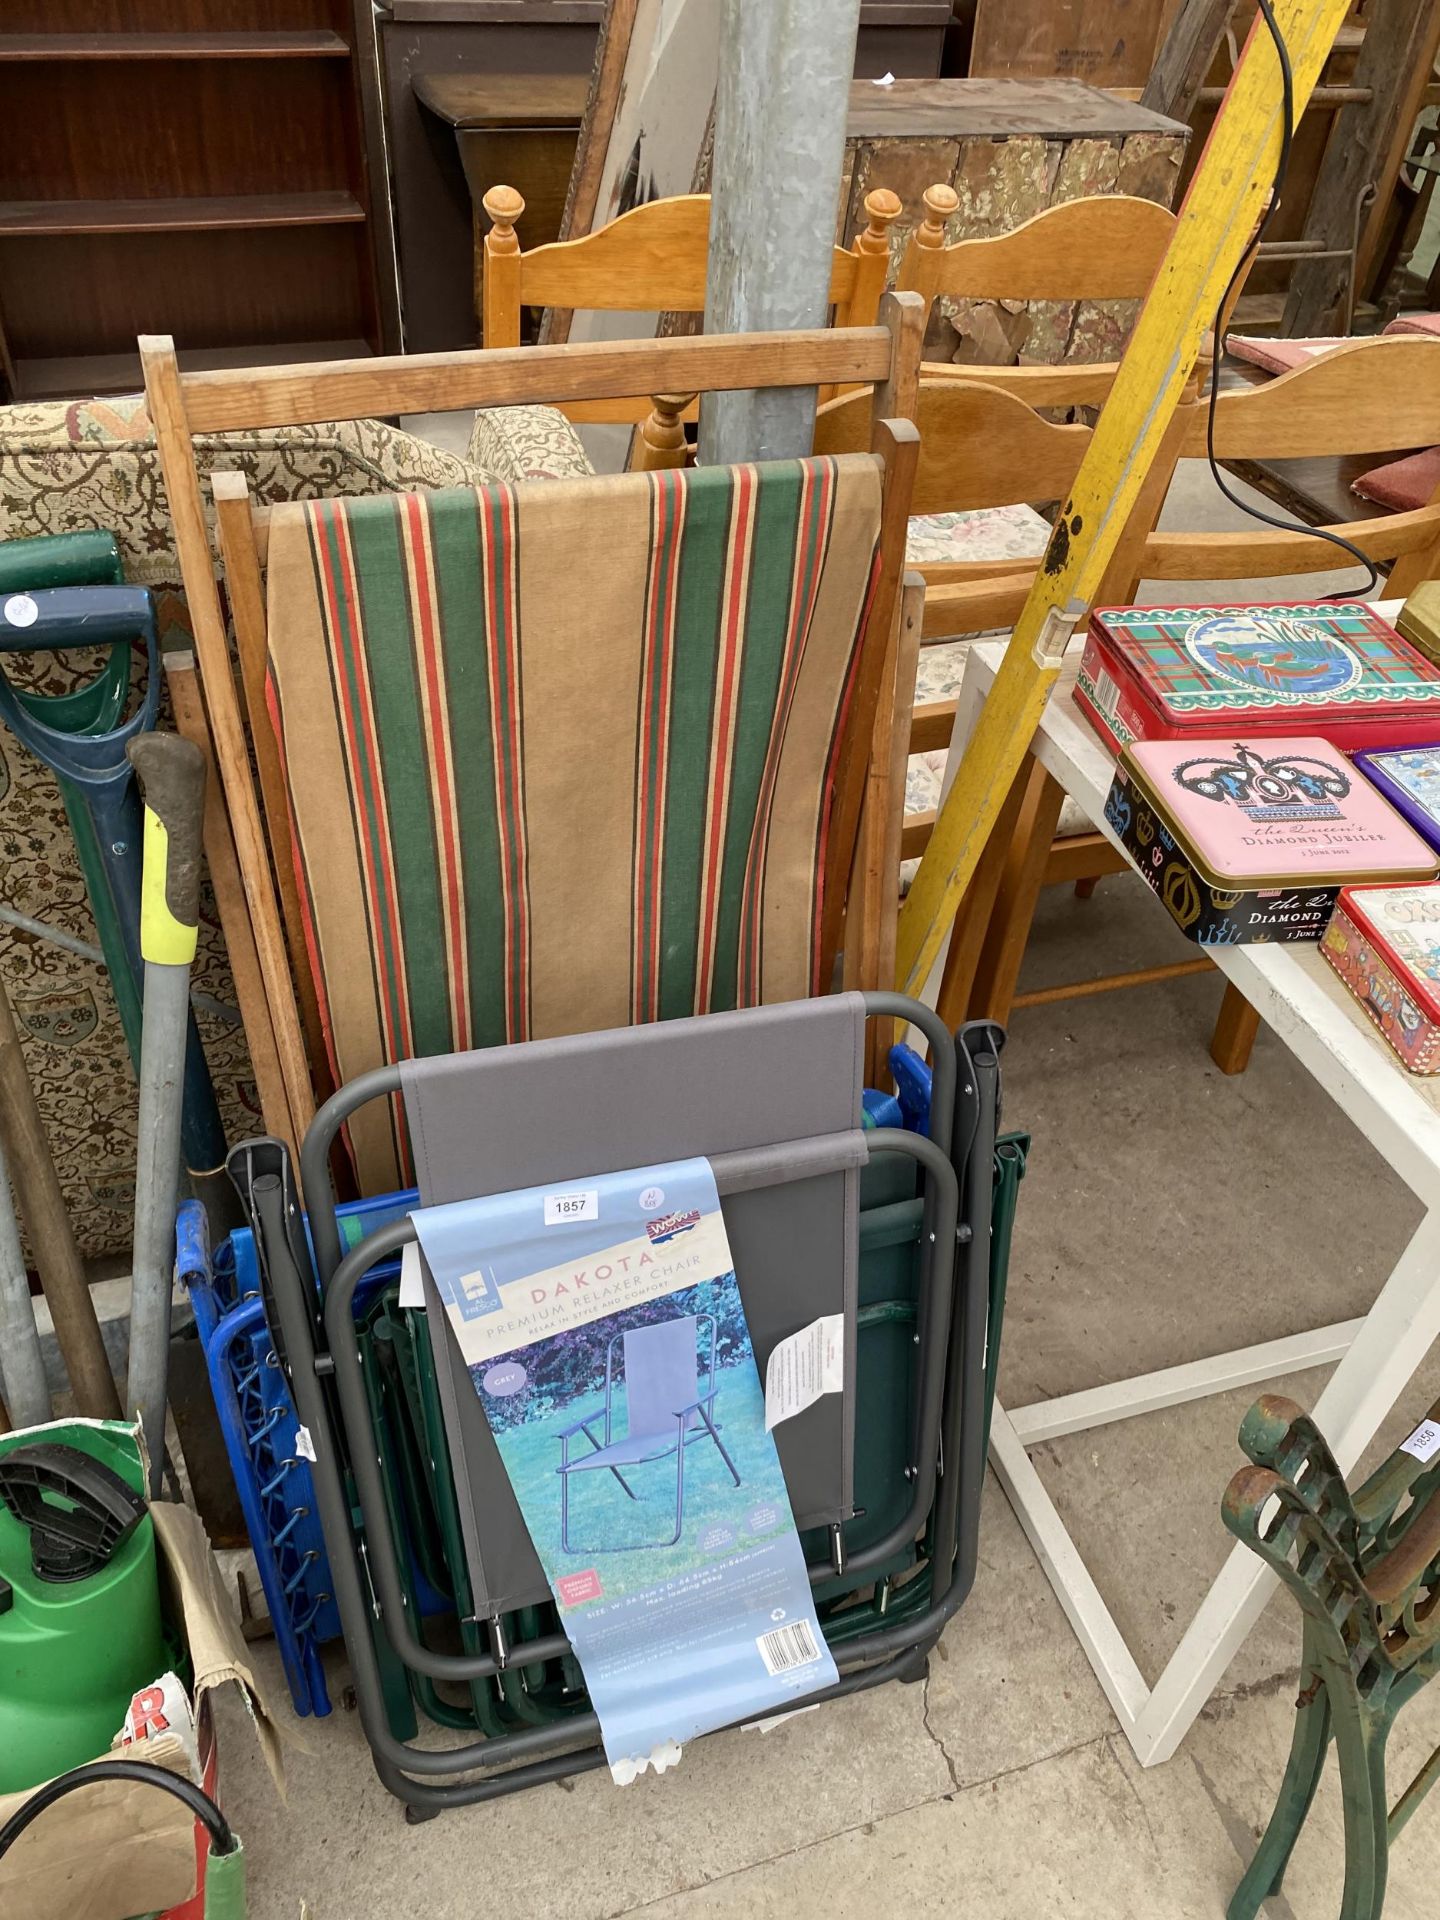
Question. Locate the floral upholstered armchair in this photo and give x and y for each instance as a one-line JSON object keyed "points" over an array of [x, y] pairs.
{"points": [[65, 466]]}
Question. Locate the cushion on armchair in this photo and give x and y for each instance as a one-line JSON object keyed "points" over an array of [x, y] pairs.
{"points": [[93, 463]]}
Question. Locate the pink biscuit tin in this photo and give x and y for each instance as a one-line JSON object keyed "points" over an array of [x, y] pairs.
{"points": [[1252, 840], [1384, 942]]}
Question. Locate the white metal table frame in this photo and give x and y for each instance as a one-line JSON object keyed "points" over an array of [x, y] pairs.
{"points": [[1297, 994]]}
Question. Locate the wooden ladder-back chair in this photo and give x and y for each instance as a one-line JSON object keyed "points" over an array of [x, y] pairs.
{"points": [[1106, 248], [651, 260], [980, 447], [413, 586], [1372, 396]]}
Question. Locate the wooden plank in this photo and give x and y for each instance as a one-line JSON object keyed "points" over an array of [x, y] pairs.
{"points": [[192, 214], [898, 444], [228, 887], [1421, 92], [192, 541], [1212, 233], [511, 100], [606, 80], [1082, 856], [524, 376], [501, 13], [995, 110], [1395, 61], [1186, 56], [915, 832], [245, 592], [315, 44], [874, 899], [1093, 40], [1111, 982]]}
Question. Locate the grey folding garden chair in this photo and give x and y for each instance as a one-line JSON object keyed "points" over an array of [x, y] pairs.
{"points": [[663, 1414], [779, 1123]]}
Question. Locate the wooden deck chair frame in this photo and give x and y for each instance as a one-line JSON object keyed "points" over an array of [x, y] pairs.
{"points": [[652, 259], [1371, 396], [181, 405]]}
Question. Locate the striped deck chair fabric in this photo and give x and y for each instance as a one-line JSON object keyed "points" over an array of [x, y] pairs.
{"points": [[561, 756]]}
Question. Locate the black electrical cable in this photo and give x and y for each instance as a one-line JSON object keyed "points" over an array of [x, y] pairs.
{"points": [[1219, 349], [222, 1840]]}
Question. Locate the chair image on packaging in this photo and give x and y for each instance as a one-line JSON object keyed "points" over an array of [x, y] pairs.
{"points": [[663, 1413], [1364, 1566], [889, 1561]]}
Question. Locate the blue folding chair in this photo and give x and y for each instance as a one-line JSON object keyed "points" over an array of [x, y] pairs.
{"points": [[663, 1414]]}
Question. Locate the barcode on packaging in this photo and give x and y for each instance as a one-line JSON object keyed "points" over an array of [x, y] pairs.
{"points": [[1107, 694], [785, 1648]]}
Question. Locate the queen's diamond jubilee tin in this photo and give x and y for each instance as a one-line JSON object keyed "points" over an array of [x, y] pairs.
{"points": [[1252, 839]]}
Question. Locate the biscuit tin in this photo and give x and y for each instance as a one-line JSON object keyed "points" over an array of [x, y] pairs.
{"points": [[1336, 670], [1251, 840], [1384, 942]]}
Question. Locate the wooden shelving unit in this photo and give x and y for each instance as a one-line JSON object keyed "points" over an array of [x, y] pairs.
{"points": [[197, 167], [52, 47], [195, 214]]}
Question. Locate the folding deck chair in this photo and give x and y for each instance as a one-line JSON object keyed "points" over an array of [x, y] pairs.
{"points": [[787, 1153], [426, 683]]}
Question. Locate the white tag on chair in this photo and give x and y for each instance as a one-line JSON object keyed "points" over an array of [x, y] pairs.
{"points": [[803, 1367], [1424, 1442]]}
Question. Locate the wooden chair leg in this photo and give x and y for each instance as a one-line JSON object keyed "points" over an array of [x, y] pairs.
{"points": [[1235, 1029], [972, 918], [1084, 888], [998, 973]]}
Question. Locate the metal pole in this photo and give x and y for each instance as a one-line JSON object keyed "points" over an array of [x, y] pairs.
{"points": [[780, 110], [172, 774], [21, 1363]]}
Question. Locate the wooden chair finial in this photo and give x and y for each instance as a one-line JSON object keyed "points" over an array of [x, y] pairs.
{"points": [[883, 208], [941, 202], [504, 206], [662, 441]]}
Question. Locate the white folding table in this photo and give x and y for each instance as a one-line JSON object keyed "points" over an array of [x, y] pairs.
{"points": [[1297, 994]]}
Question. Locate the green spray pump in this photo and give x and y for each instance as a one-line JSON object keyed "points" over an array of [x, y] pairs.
{"points": [[80, 1622]]}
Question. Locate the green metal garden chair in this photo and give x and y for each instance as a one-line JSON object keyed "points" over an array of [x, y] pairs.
{"points": [[1365, 1567]]}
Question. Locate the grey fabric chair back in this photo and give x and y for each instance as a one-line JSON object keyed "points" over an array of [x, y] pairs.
{"points": [[660, 1376]]}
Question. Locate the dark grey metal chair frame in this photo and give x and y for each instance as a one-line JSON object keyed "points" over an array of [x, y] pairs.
{"points": [[322, 1356]]}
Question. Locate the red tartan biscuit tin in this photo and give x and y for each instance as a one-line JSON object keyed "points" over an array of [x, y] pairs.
{"points": [[1384, 942], [1310, 667]]}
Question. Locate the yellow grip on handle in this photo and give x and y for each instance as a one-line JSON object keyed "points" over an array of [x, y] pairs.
{"points": [[163, 938]]}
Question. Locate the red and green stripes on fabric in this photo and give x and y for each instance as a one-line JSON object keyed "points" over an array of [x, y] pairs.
{"points": [[332, 532], [735, 560], [499, 549], [814, 519], [422, 624], [652, 735]]}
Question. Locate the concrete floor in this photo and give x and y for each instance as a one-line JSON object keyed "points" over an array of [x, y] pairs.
{"points": [[1169, 1212]]}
